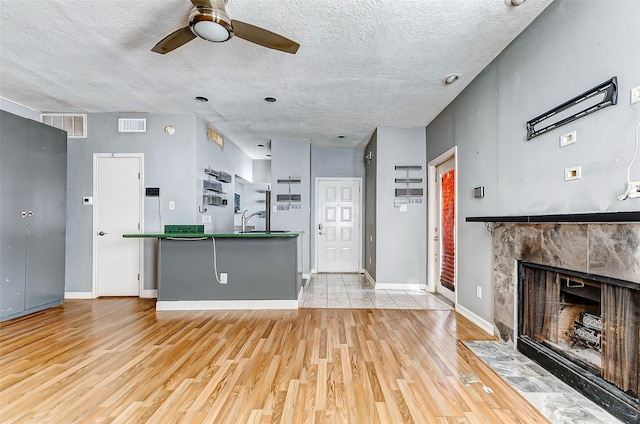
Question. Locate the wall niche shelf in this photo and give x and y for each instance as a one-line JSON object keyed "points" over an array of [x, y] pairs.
{"points": [[408, 191], [289, 197], [213, 192]]}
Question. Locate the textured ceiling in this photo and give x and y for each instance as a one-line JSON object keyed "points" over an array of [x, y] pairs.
{"points": [[361, 63]]}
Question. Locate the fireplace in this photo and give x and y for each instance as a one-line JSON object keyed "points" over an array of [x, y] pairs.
{"points": [[581, 249], [586, 330]]}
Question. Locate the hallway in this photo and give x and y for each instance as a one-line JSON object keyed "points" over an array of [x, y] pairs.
{"points": [[355, 291]]}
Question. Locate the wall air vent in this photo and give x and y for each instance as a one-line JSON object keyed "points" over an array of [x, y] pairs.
{"points": [[75, 124], [132, 125]]}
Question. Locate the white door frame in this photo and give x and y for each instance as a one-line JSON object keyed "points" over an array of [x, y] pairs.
{"points": [[317, 217], [431, 218], [94, 279]]}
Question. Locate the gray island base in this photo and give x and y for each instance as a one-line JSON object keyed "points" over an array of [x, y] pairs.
{"points": [[263, 271]]}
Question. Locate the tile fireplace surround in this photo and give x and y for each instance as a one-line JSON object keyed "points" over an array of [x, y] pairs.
{"points": [[606, 249]]}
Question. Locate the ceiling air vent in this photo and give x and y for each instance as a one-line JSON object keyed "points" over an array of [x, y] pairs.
{"points": [[75, 124], [129, 125]]}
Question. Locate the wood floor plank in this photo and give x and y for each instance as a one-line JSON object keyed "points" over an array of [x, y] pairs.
{"points": [[120, 361]]}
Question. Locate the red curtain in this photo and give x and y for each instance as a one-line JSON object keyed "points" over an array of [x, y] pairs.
{"points": [[447, 230]]}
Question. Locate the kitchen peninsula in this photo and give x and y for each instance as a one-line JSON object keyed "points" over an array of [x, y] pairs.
{"points": [[263, 270]]}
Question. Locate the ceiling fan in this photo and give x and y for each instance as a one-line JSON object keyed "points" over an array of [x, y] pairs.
{"points": [[209, 20]]}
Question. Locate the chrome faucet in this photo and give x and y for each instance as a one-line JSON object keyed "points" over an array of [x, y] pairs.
{"points": [[246, 219]]}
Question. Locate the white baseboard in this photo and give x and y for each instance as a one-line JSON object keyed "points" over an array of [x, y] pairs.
{"points": [[207, 305], [485, 325], [149, 294], [401, 286], [78, 295]]}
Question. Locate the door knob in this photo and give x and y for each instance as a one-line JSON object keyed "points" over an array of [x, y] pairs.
{"points": [[101, 233], [321, 233]]}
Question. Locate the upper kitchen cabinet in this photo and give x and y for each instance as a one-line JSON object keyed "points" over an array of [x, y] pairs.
{"points": [[33, 173]]}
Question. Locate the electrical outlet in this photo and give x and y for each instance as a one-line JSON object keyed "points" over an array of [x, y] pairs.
{"points": [[635, 95], [568, 138], [208, 219], [172, 205], [635, 190], [479, 292], [574, 173], [223, 278]]}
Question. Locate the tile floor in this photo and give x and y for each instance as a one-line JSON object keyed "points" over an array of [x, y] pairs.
{"points": [[355, 291], [557, 401]]}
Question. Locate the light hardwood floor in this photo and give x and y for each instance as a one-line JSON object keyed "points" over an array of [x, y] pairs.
{"points": [[120, 361]]}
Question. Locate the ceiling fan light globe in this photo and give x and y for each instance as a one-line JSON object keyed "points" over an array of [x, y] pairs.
{"points": [[211, 31], [212, 24]]}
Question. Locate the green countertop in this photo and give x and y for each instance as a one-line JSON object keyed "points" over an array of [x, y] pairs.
{"points": [[224, 235]]}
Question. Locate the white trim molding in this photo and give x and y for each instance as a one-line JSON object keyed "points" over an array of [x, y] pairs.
{"points": [[213, 305], [78, 295], [401, 286], [484, 325], [431, 218], [149, 293]]}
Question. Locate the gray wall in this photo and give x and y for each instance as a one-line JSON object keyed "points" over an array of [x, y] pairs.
{"points": [[401, 236], [262, 171], [335, 163], [17, 109], [292, 158], [370, 237], [571, 47], [229, 159], [172, 163]]}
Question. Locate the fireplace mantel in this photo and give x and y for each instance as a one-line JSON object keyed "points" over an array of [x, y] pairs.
{"points": [[600, 217]]}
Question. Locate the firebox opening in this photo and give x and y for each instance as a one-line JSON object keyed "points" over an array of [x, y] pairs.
{"points": [[579, 324]]}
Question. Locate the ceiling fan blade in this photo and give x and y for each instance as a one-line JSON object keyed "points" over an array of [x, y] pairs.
{"points": [[203, 3], [263, 37], [174, 40]]}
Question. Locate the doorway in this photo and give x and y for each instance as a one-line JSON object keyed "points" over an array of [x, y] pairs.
{"points": [[442, 225], [117, 190], [338, 236]]}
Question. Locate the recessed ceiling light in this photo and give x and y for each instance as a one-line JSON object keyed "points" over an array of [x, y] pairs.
{"points": [[269, 99], [513, 2], [451, 78], [341, 136], [260, 145], [169, 130], [201, 99], [268, 155]]}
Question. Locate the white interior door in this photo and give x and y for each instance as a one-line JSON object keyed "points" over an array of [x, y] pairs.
{"points": [[117, 211], [338, 225], [445, 230]]}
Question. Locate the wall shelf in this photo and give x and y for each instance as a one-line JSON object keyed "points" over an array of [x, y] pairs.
{"points": [[407, 190], [289, 197], [577, 218]]}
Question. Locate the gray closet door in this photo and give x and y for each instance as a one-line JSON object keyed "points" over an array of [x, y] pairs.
{"points": [[47, 158], [14, 178]]}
